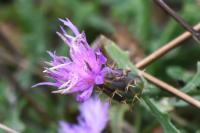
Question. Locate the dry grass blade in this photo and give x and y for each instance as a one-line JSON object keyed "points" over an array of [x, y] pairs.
{"points": [[165, 49], [7, 129], [158, 54], [171, 89]]}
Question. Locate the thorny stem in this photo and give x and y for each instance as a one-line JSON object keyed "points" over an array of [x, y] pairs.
{"points": [[165, 49], [7, 129], [171, 89], [179, 19]]}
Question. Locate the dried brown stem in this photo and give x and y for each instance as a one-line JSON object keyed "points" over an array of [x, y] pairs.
{"points": [[158, 54], [171, 89], [165, 49], [179, 19], [7, 129]]}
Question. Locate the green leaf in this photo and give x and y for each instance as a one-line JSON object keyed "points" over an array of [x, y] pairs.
{"points": [[117, 117], [122, 60], [178, 73], [173, 29], [161, 117], [100, 23], [13, 121], [143, 19], [133, 13], [194, 82], [118, 56]]}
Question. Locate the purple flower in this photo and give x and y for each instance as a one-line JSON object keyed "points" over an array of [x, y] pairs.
{"points": [[79, 73], [93, 118]]}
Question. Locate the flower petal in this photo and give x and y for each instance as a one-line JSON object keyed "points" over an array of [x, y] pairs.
{"points": [[99, 79], [69, 24], [84, 95], [45, 83]]}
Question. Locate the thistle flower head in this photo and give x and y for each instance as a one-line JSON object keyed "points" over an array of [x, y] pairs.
{"points": [[93, 118], [79, 73]]}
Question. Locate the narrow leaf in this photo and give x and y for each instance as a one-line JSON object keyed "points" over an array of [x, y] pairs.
{"points": [[117, 117], [122, 60], [163, 118], [194, 82], [118, 56]]}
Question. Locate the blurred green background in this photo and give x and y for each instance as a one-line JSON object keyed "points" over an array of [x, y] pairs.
{"points": [[27, 31]]}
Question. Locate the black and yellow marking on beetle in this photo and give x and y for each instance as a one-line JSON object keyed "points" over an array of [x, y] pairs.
{"points": [[122, 86]]}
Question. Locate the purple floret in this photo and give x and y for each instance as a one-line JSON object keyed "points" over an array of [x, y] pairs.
{"points": [[93, 118], [79, 73]]}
